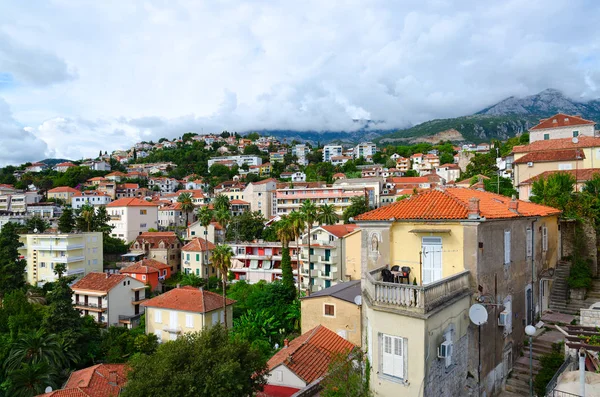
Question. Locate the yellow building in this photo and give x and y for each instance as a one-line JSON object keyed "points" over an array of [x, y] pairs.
{"points": [[426, 260], [336, 308], [196, 258], [64, 193], [185, 309], [82, 253]]}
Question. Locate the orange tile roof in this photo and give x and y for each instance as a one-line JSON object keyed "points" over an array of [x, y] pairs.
{"points": [[468, 180], [170, 206], [409, 179], [102, 380], [198, 245], [116, 173], [561, 120], [340, 230], [551, 155], [452, 204], [90, 193], [188, 299], [63, 189], [154, 238], [558, 144], [131, 202], [239, 202], [583, 175], [66, 164], [308, 356], [99, 282], [128, 186], [265, 181], [146, 266]]}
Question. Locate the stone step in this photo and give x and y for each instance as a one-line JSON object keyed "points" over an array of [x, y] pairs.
{"points": [[524, 364], [517, 386]]}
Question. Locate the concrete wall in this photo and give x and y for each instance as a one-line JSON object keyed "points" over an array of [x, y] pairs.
{"points": [[200, 321], [569, 236], [288, 378], [132, 222], [345, 322], [352, 247], [563, 132], [120, 300]]}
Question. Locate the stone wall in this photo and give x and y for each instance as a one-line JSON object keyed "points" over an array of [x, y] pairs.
{"points": [[568, 240], [451, 381], [590, 317]]}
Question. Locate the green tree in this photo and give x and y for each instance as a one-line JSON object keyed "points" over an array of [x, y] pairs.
{"points": [[252, 150], [205, 216], [327, 215], [358, 205], [246, 227], [36, 223], [506, 186], [85, 220], [555, 191], [220, 171], [12, 269], [298, 223], [310, 212], [221, 259], [285, 233], [484, 164], [208, 364], [253, 136], [223, 216], [30, 380], [101, 221], [35, 347], [66, 222], [185, 199], [221, 202], [346, 377]]}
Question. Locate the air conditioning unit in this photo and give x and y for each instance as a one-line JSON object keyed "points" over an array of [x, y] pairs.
{"points": [[530, 164], [445, 352], [503, 319]]}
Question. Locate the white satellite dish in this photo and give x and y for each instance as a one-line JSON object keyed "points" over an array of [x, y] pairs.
{"points": [[478, 314], [358, 300], [575, 140], [48, 389]]}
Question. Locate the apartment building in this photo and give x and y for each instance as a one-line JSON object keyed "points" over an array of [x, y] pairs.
{"points": [[261, 260], [163, 184], [277, 157], [185, 309], [90, 197], [291, 198], [301, 151], [151, 272], [238, 207], [447, 248], [64, 193], [424, 163], [330, 151], [172, 216], [561, 126], [82, 253], [450, 172], [239, 160], [63, 167], [16, 202], [293, 176], [366, 150], [97, 165], [372, 185], [111, 299], [164, 247], [36, 167], [45, 210], [326, 266], [196, 258], [131, 217], [403, 164]]}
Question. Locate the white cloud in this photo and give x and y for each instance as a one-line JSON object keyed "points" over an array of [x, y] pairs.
{"points": [[150, 69], [17, 144]]}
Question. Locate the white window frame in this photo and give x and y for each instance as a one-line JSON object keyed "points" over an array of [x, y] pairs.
{"points": [[215, 317], [507, 244], [390, 361], [157, 316], [189, 321]]}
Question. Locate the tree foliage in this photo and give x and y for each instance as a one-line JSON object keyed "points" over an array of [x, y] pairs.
{"points": [[66, 222], [348, 375], [12, 268], [246, 227], [358, 205]]}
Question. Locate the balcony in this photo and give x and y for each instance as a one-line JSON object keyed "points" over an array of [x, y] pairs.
{"points": [[56, 247], [137, 301], [326, 275], [115, 217], [93, 306], [415, 298], [66, 259], [172, 329], [132, 320]]}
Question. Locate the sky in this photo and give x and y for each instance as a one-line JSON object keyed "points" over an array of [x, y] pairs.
{"points": [[79, 76]]}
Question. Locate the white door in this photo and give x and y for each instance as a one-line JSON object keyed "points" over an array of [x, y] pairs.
{"points": [[432, 259]]}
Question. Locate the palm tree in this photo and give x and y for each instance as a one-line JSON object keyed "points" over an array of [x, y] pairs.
{"points": [[34, 296], [185, 199], [205, 216], [285, 234], [310, 212], [36, 347], [87, 214], [30, 379], [221, 202], [221, 258], [298, 223], [223, 216], [327, 215]]}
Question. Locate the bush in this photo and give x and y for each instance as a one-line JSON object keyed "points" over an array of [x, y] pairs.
{"points": [[580, 275], [550, 363]]}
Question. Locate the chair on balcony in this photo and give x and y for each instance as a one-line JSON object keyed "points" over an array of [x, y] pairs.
{"points": [[387, 276], [395, 268]]}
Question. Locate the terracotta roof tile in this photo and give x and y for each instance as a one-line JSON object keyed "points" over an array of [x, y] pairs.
{"points": [[308, 356], [198, 245], [188, 299], [102, 380], [66, 164], [561, 120], [452, 204], [340, 230], [145, 266], [154, 238], [551, 155], [63, 189], [239, 202], [131, 202], [558, 144], [99, 282], [583, 175]]}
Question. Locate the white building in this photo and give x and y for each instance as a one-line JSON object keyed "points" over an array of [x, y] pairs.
{"points": [[561, 126], [366, 150], [111, 299], [166, 185], [339, 160], [90, 197], [450, 172], [97, 165], [301, 151], [131, 217], [330, 151], [240, 160], [260, 196]]}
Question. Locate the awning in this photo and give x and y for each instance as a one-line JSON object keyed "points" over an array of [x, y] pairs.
{"points": [[430, 231], [130, 255], [254, 264], [237, 264], [267, 265]]}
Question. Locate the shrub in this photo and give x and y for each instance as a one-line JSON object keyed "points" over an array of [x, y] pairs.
{"points": [[580, 275], [550, 363]]}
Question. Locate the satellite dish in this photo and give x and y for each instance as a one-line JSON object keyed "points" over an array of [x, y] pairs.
{"points": [[48, 389], [575, 139], [478, 314], [358, 300]]}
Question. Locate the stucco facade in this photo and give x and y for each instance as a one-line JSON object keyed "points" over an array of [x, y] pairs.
{"points": [[130, 217], [344, 321]]}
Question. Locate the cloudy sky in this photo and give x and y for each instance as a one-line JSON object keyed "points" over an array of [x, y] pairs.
{"points": [[80, 76]]}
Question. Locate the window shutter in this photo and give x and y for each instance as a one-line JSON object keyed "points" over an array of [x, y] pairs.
{"points": [[387, 356], [189, 321], [545, 238], [215, 318], [528, 243], [157, 316], [398, 358], [222, 317], [507, 246]]}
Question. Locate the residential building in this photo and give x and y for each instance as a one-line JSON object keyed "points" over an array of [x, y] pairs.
{"points": [[337, 308], [109, 188], [172, 216], [163, 184], [63, 167], [238, 207], [100, 380], [125, 190], [18, 219], [561, 126], [370, 172], [149, 272], [339, 160], [90, 197], [16, 202], [555, 155], [239, 159], [198, 197], [116, 176], [111, 299], [131, 217], [82, 253], [45, 210], [289, 199], [425, 163], [366, 150], [63, 193], [303, 361], [373, 186], [95, 165], [327, 248], [196, 258], [301, 151], [330, 151], [36, 167], [294, 176], [261, 260], [449, 245], [414, 182], [581, 176], [213, 232], [196, 184], [164, 247], [277, 157], [450, 172], [185, 309]]}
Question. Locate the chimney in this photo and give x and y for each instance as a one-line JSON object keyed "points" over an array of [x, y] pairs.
{"points": [[473, 211], [286, 343], [107, 275], [178, 285], [513, 204]]}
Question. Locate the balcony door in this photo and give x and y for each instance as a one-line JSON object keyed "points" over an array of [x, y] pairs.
{"points": [[173, 319], [431, 253]]}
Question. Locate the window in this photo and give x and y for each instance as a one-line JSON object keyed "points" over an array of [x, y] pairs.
{"points": [[546, 137], [144, 277], [215, 318], [142, 225], [157, 316], [506, 247], [392, 356], [193, 233], [575, 134], [544, 239], [314, 236], [329, 310], [197, 257], [197, 272], [187, 257], [143, 212], [189, 321], [331, 239], [528, 241]]}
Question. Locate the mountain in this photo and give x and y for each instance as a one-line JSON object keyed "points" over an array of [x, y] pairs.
{"points": [[502, 120], [53, 162]]}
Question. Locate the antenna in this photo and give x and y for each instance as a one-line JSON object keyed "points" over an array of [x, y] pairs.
{"points": [[358, 300], [48, 389], [478, 314]]}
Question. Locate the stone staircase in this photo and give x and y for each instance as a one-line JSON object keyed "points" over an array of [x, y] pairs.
{"points": [[518, 381], [558, 295]]}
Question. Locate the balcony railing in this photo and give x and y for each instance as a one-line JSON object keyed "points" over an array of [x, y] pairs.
{"points": [[172, 329], [419, 298], [56, 247], [90, 305]]}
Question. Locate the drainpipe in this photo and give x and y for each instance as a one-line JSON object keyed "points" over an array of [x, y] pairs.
{"points": [[532, 269], [581, 372]]}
